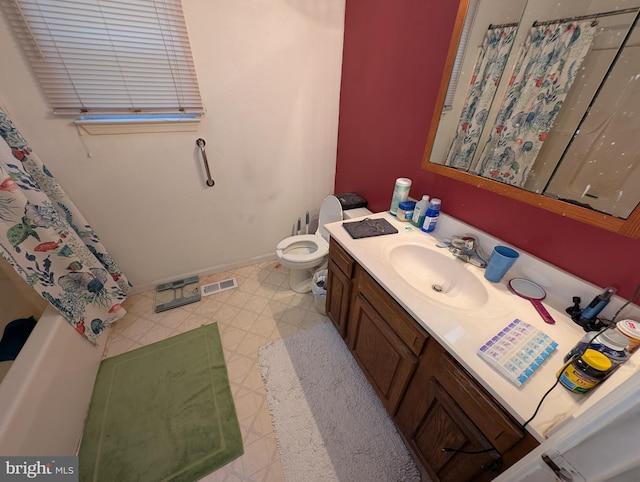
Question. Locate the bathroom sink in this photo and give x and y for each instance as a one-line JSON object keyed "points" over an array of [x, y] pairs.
{"points": [[439, 276]]}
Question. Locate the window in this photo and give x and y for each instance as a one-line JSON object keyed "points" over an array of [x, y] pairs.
{"points": [[109, 60], [462, 48]]}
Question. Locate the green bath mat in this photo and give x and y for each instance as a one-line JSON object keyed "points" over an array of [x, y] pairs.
{"points": [[162, 412]]}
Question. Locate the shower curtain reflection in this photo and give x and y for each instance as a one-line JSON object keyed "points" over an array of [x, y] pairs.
{"points": [[546, 69], [486, 76]]}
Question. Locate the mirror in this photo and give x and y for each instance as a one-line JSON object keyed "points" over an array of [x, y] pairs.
{"points": [[562, 138]]}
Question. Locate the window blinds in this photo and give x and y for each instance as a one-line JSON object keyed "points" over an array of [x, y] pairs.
{"points": [[462, 48], [108, 56]]}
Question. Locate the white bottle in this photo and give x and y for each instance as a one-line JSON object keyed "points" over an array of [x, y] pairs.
{"points": [[420, 210], [400, 193], [432, 215]]}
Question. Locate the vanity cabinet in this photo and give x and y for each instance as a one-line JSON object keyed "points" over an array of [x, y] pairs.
{"points": [[339, 285], [434, 401]]}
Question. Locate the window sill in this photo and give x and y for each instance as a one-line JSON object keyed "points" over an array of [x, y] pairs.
{"points": [[105, 126]]}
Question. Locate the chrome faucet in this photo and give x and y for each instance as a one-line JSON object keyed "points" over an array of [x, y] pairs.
{"points": [[466, 248]]}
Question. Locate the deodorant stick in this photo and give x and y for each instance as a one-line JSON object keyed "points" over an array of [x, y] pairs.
{"points": [[400, 193]]}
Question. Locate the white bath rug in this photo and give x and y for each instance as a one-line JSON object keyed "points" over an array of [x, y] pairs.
{"points": [[328, 421]]}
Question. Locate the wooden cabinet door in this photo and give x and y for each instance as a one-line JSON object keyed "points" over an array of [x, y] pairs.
{"points": [[338, 298], [385, 360], [445, 425], [445, 407]]}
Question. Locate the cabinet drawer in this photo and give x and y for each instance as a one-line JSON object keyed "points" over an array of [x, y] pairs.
{"points": [[403, 324], [341, 258]]}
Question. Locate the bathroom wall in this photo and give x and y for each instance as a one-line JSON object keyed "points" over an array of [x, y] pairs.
{"points": [[17, 299], [394, 54], [269, 74]]}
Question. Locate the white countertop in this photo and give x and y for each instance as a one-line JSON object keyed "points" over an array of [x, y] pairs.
{"points": [[462, 332]]}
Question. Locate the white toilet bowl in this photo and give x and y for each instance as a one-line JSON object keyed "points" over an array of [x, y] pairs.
{"points": [[307, 253]]}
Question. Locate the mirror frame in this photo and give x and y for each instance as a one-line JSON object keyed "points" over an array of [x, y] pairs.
{"points": [[629, 227]]}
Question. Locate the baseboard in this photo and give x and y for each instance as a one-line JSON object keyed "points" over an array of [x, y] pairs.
{"points": [[205, 272]]}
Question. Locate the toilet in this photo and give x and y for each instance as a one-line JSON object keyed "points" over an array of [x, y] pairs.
{"points": [[306, 253]]}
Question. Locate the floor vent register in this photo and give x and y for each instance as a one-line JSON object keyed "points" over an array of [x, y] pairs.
{"points": [[218, 286]]}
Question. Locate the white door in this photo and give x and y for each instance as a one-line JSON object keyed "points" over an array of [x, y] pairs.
{"points": [[600, 445]]}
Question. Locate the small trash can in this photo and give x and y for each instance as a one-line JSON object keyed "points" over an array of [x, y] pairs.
{"points": [[319, 290]]}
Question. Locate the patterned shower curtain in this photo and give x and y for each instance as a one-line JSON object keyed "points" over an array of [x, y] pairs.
{"points": [[50, 245], [547, 66], [484, 82]]}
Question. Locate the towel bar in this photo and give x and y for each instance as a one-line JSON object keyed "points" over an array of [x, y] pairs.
{"points": [[201, 143]]}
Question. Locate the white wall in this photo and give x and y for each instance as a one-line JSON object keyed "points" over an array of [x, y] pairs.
{"points": [[17, 299], [269, 74]]}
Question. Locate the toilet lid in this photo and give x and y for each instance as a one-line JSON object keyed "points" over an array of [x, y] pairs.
{"points": [[330, 212]]}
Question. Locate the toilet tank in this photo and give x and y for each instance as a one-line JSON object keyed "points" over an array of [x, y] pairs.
{"points": [[356, 213]]}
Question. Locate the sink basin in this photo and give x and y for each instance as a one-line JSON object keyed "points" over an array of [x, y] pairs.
{"points": [[439, 276]]}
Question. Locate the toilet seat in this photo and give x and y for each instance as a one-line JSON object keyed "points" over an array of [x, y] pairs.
{"points": [[316, 244]]}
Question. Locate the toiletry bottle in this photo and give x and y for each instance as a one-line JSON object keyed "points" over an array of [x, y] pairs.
{"points": [[584, 371], [405, 210], [630, 329], [613, 344], [400, 193], [431, 216], [597, 304], [420, 211]]}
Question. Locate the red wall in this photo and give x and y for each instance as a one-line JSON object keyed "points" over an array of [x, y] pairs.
{"points": [[394, 53]]}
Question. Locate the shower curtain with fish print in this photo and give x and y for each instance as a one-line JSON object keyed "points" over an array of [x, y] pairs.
{"points": [[547, 66], [50, 245]]}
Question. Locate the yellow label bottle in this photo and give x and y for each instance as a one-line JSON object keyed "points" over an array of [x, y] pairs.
{"points": [[585, 371]]}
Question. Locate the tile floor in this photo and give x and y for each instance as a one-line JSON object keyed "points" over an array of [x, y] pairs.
{"points": [[260, 310]]}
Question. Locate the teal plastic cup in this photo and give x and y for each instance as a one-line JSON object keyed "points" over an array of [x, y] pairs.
{"points": [[502, 258]]}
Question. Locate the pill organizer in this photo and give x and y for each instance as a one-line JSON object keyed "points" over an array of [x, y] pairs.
{"points": [[517, 351]]}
